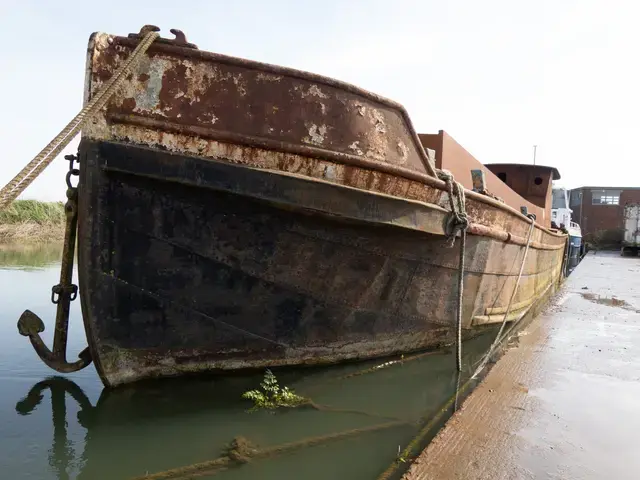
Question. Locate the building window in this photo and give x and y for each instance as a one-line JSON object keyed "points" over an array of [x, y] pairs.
{"points": [[502, 176], [605, 197]]}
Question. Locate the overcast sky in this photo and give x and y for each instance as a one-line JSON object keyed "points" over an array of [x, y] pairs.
{"points": [[498, 75]]}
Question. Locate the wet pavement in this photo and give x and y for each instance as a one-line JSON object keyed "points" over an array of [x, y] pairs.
{"points": [[565, 402]]}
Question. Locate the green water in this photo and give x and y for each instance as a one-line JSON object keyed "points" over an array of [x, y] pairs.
{"points": [[70, 427]]}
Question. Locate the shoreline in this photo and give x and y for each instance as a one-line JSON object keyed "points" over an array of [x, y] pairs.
{"points": [[32, 221], [31, 233]]}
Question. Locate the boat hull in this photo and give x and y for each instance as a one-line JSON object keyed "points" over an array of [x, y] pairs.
{"points": [[190, 265], [234, 214]]}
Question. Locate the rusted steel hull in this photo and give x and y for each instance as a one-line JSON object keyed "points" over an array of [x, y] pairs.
{"points": [[267, 241]]}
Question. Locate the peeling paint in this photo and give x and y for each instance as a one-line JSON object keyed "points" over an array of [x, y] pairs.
{"points": [[240, 84], [378, 120], [149, 97], [314, 91], [329, 172], [356, 148], [267, 77], [402, 149], [316, 134], [375, 154], [185, 90], [102, 42]]}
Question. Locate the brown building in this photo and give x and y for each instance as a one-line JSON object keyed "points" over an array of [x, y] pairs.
{"points": [[599, 210]]}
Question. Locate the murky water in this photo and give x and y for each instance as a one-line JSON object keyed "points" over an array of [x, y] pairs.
{"points": [[69, 427]]}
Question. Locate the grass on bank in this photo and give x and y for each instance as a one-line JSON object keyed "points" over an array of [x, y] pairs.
{"points": [[32, 220], [21, 211]]}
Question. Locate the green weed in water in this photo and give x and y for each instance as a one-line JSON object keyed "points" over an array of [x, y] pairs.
{"points": [[272, 396]]}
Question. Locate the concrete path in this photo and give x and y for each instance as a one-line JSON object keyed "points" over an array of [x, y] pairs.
{"points": [[564, 403]]}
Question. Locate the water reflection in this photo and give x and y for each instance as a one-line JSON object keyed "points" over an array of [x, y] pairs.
{"points": [[29, 256], [62, 453], [151, 427]]}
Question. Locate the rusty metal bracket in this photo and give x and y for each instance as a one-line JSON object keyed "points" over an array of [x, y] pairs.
{"points": [[62, 294], [179, 41]]}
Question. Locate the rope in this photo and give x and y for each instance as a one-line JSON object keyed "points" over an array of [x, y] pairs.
{"points": [[498, 338], [242, 451], [463, 241], [459, 222], [43, 159]]}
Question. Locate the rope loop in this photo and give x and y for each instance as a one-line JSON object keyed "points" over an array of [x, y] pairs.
{"points": [[459, 221]]}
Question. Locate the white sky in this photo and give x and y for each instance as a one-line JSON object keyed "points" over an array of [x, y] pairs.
{"points": [[498, 75]]}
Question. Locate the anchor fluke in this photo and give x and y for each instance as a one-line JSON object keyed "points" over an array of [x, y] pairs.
{"points": [[30, 324]]}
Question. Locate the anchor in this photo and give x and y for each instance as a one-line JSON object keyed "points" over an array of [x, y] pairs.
{"points": [[62, 294]]}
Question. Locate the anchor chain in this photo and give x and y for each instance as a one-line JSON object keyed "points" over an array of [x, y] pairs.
{"points": [[62, 294]]}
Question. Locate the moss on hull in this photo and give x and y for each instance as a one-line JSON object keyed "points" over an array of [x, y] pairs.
{"points": [[32, 221]]}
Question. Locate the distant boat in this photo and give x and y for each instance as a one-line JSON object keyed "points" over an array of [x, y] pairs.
{"points": [[561, 216], [235, 214], [631, 235]]}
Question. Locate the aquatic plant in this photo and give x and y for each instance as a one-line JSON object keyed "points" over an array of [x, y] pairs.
{"points": [[272, 396]]}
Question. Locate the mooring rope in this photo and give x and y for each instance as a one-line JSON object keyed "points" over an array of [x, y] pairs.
{"points": [[43, 159], [499, 337], [459, 222], [242, 451]]}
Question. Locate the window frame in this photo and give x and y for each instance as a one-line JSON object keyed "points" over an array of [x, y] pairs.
{"points": [[605, 197]]}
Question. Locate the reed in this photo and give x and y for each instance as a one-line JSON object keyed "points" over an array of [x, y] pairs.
{"points": [[32, 221]]}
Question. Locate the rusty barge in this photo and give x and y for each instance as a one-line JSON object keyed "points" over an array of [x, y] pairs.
{"points": [[234, 214]]}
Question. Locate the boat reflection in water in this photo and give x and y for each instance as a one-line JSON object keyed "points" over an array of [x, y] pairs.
{"points": [[154, 426]]}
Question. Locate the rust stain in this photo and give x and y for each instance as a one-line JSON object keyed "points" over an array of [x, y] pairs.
{"points": [[183, 100], [234, 97], [129, 103]]}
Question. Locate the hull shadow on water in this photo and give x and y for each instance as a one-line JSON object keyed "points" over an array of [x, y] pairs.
{"points": [[368, 413]]}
